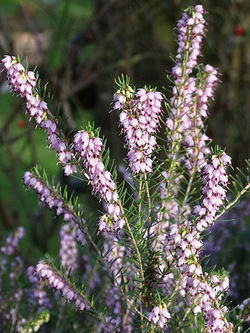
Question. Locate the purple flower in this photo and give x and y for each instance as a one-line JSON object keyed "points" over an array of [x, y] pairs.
{"points": [[159, 316], [68, 248], [214, 181], [12, 242], [23, 83], [114, 319], [37, 297], [56, 281], [183, 245], [191, 94], [139, 118], [89, 149], [53, 199], [191, 29], [216, 321], [115, 255]]}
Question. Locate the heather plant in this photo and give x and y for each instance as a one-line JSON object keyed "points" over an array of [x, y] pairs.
{"points": [[141, 266]]}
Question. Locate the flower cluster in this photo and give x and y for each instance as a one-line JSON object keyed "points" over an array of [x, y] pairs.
{"points": [[182, 243], [214, 181], [61, 146], [68, 248], [56, 281], [205, 91], [11, 267], [12, 242], [23, 83], [114, 319], [183, 247], [53, 200], [115, 254], [195, 141], [191, 95], [159, 315], [47, 196], [90, 149], [191, 29], [204, 293], [37, 296], [139, 118], [216, 321]]}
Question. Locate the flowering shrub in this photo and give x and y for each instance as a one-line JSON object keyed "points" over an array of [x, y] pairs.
{"points": [[139, 268]]}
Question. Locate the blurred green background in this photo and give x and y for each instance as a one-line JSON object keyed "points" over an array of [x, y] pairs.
{"points": [[79, 47]]}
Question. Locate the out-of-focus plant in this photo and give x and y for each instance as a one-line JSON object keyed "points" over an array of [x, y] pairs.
{"points": [[139, 267], [229, 248]]}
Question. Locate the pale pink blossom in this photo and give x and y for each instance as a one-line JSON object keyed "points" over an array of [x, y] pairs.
{"points": [[139, 119], [89, 149], [56, 281], [23, 83]]}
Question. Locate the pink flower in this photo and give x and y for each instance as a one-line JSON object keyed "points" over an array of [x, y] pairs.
{"points": [[50, 197], [191, 95], [214, 179], [56, 281], [89, 149], [139, 118], [23, 83], [159, 316], [68, 247]]}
